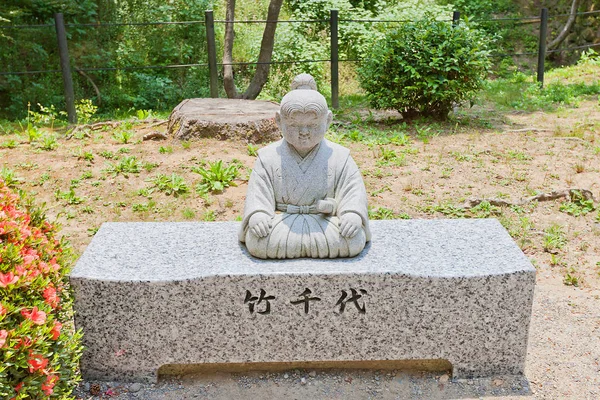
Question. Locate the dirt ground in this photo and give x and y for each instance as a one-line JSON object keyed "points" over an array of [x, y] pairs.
{"points": [[429, 173]]}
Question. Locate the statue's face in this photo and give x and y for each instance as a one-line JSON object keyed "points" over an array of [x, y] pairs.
{"points": [[304, 130]]}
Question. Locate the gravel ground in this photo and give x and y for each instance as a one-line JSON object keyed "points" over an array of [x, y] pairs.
{"points": [[563, 362]]}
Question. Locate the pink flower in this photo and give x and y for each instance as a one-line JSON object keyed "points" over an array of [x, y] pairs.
{"points": [[7, 279], [50, 296], [49, 384], [37, 362], [3, 336], [38, 317], [3, 310], [56, 330]]}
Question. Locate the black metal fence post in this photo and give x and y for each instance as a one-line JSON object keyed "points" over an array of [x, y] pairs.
{"points": [[455, 18], [335, 101], [65, 66], [209, 19], [542, 46]]}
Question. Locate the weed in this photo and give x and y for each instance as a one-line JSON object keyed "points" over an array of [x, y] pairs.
{"points": [[149, 166], [81, 154], [87, 175], [43, 178], [9, 177], [449, 210], [381, 213], [126, 165], [188, 213], [579, 168], [217, 177], [85, 110], [518, 155], [186, 144], [140, 207], [209, 216], [69, 196], [87, 210], [124, 150], [48, 143], [92, 231], [252, 150], [578, 205], [74, 183], [485, 210], [143, 114], [145, 192], [109, 155], [171, 185], [122, 136], [571, 279], [9, 144], [554, 239], [165, 150]]}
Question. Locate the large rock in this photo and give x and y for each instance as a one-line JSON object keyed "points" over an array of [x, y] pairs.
{"points": [[248, 120], [155, 294]]}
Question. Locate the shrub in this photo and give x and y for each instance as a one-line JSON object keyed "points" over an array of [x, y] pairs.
{"points": [[39, 350], [424, 67]]}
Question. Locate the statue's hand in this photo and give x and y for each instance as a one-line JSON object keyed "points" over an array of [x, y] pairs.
{"points": [[260, 224], [350, 224], [326, 206]]}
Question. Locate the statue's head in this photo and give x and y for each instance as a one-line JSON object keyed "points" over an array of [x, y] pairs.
{"points": [[303, 117]]}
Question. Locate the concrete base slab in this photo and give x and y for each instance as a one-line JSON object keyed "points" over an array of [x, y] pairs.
{"points": [[154, 294]]}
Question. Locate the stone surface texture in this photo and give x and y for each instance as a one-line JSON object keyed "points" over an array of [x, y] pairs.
{"points": [[313, 183], [248, 120], [155, 294]]}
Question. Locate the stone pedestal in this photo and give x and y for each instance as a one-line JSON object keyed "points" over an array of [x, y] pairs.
{"points": [[154, 294], [248, 120]]}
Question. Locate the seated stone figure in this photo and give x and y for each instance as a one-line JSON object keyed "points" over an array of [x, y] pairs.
{"points": [[306, 196]]}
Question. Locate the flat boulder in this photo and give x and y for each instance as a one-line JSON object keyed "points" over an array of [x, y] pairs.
{"points": [[248, 120]]}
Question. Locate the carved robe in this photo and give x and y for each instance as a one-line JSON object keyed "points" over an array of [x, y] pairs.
{"points": [[287, 187]]}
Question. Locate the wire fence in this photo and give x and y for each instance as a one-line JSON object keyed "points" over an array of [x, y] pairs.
{"points": [[211, 63]]}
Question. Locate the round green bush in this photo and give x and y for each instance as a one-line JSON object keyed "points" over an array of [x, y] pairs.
{"points": [[425, 67], [39, 350]]}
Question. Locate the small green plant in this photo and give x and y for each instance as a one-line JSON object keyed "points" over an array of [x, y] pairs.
{"points": [[449, 67], [381, 213], [81, 154], [126, 165], [209, 216], [149, 166], [571, 279], [579, 204], [171, 185], [485, 210], [143, 114], [123, 136], [554, 239], [252, 150], [449, 210], [87, 175], [140, 207], [85, 110], [217, 177], [9, 177], [165, 150], [87, 210], [48, 142], [9, 144], [70, 197], [109, 155], [186, 144], [188, 213]]}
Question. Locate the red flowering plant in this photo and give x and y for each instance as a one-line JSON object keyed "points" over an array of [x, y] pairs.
{"points": [[39, 349]]}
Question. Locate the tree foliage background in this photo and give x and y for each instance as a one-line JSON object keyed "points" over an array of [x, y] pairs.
{"points": [[116, 46]]}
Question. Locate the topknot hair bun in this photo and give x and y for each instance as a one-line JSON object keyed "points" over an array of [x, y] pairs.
{"points": [[304, 82]]}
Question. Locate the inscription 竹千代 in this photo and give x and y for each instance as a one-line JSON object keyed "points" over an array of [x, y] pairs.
{"points": [[305, 298]]}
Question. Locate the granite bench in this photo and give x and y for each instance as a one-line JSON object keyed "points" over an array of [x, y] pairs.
{"points": [[155, 294]]}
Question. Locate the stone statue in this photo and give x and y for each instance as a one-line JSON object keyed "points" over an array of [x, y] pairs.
{"points": [[306, 196]]}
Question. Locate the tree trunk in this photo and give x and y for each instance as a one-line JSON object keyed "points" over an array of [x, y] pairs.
{"points": [[563, 34], [264, 58], [228, 82]]}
